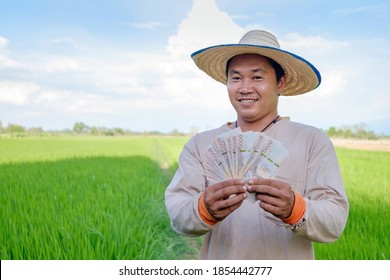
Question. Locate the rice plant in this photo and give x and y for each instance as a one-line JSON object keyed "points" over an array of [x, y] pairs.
{"points": [[103, 198]]}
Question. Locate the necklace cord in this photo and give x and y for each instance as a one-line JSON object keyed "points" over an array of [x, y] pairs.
{"points": [[275, 120]]}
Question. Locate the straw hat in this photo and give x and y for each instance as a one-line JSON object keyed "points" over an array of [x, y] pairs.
{"points": [[301, 75]]}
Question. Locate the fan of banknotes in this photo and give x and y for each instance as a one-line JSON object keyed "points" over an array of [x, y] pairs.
{"points": [[237, 154]]}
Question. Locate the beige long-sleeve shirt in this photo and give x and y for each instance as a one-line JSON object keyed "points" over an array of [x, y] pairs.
{"points": [[249, 232]]}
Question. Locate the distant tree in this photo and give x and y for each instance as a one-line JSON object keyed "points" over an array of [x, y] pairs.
{"points": [[80, 127], [94, 130], [194, 130], [35, 130], [346, 132], [15, 128], [175, 132], [362, 132], [332, 131], [1, 127], [118, 131], [64, 131], [359, 131]]}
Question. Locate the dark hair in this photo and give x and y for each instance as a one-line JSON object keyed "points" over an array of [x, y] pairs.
{"points": [[279, 72]]}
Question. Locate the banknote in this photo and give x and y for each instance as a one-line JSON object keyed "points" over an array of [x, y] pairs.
{"points": [[237, 154]]}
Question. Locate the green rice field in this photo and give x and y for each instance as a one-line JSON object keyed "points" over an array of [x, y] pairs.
{"points": [[94, 198]]}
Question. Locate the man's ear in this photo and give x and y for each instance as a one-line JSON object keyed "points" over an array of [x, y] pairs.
{"points": [[282, 84]]}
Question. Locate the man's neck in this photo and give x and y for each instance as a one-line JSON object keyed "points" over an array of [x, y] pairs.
{"points": [[260, 125]]}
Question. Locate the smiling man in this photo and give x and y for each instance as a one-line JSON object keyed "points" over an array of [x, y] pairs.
{"points": [[254, 90], [304, 202]]}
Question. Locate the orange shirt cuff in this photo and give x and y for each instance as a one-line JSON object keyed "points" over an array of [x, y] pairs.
{"points": [[204, 213], [298, 210]]}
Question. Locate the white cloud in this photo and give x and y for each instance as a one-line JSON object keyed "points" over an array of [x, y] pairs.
{"points": [[6, 60], [65, 41], [241, 17], [266, 15], [90, 103], [16, 93], [33, 114], [312, 45], [3, 42], [154, 25], [72, 101], [61, 65], [166, 90], [49, 97], [204, 26], [160, 82], [380, 8], [42, 62], [140, 84], [256, 26], [333, 83]]}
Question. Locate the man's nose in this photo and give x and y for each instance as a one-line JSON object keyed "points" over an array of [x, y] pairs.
{"points": [[246, 86]]}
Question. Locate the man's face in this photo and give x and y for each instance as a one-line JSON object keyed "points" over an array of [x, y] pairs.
{"points": [[253, 89]]}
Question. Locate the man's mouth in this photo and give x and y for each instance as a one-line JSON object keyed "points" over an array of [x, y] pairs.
{"points": [[247, 100]]}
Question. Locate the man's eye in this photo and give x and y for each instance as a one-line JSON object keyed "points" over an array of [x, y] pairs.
{"points": [[235, 78], [257, 77]]}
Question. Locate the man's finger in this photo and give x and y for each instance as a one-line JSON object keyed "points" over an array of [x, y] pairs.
{"points": [[266, 182], [264, 189], [227, 183]]}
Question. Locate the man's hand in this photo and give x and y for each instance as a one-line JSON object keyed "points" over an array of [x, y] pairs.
{"points": [[223, 198], [276, 197]]}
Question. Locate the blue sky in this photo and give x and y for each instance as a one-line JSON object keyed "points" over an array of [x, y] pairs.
{"points": [[127, 64]]}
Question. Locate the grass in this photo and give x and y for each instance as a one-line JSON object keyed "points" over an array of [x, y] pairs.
{"points": [[163, 150], [90, 207], [366, 178], [103, 198]]}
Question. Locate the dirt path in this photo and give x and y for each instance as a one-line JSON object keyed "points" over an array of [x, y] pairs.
{"points": [[373, 145]]}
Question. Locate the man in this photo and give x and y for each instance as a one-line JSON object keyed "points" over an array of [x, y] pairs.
{"points": [[305, 202]]}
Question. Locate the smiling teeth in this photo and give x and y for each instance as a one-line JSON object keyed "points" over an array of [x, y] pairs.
{"points": [[247, 101]]}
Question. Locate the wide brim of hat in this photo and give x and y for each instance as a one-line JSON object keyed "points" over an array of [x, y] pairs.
{"points": [[301, 75]]}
